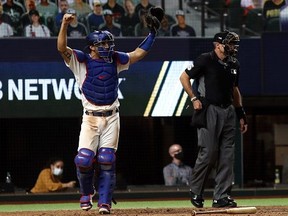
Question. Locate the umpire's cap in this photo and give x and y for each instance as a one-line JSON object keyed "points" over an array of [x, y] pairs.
{"points": [[219, 37]]}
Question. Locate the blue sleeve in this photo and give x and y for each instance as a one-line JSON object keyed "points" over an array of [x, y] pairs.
{"points": [[80, 55], [147, 42], [122, 57]]}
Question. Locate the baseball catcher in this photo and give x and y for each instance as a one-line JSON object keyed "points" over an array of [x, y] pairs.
{"points": [[96, 73]]}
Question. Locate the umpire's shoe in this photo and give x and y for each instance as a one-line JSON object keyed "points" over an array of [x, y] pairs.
{"points": [[197, 200], [224, 202]]}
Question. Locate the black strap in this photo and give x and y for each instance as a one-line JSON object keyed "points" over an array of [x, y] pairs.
{"points": [[101, 114]]}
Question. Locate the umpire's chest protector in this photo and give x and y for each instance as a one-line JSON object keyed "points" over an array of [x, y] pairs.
{"points": [[100, 86]]}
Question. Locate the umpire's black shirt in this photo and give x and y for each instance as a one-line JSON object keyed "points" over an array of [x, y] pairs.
{"points": [[219, 77]]}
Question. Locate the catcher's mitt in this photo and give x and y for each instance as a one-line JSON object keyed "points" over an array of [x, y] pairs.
{"points": [[154, 18]]}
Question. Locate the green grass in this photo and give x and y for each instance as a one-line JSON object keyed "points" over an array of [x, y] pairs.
{"points": [[138, 204]]}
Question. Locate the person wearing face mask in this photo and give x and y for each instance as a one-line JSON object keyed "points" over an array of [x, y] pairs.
{"points": [[49, 179], [176, 173]]}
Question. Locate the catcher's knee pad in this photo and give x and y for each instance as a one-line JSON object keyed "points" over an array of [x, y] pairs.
{"points": [[84, 158], [106, 158], [107, 175]]}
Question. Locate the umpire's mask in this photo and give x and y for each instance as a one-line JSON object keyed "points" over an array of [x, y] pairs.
{"points": [[231, 43]]}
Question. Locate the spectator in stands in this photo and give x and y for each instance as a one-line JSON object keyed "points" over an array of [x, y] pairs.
{"points": [[4, 17], [63, 7], [35, 28], [247, 5], [49, 179], [5, 28], [48, 10], [141, 28], [177, 173], [143, 4], [95, 19], [271, 9], [130, 19], [82, 9], [76, 29], [181, 29], [109, 24], [117, 9], [164, 29], [25, 18], [15, 10]]}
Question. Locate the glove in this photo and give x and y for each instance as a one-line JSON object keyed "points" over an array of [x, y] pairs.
{"points": [[154, 18]]}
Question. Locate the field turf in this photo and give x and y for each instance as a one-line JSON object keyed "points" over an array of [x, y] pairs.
{"points": [[138, 204]]}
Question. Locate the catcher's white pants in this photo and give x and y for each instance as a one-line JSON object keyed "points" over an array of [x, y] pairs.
{"points": [[98, 132]]}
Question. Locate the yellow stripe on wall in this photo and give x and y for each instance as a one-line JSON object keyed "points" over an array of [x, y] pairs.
{"points": [[181, 104], [156, 88]]}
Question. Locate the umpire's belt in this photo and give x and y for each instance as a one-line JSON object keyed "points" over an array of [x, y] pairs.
{"points": [[102, 114], [222, 105]]}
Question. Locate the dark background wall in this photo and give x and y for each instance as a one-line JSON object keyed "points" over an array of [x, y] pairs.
{"points": [[26, 144]]}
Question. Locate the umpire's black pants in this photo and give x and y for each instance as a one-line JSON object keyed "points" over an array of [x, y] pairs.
{"points": [[216, 143]]}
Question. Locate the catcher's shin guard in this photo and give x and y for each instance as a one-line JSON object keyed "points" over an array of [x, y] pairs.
{"points": [[107, 176], [85, 170]]}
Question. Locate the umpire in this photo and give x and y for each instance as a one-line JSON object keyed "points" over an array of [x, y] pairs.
{"points": [[216, 98]]}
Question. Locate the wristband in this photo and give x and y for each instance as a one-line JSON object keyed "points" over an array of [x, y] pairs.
{"points": [[194, 99], [147, 42], [240, 113]]}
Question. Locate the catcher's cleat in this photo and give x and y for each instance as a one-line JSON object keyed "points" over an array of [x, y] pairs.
{"points": [[104, 209], [86, 202]]}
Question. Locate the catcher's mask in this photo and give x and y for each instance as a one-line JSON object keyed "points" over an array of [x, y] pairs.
{"points": [[104, 42], [230, 40]]}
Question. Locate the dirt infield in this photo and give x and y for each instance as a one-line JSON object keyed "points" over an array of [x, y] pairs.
{"points": [[263, 211]]}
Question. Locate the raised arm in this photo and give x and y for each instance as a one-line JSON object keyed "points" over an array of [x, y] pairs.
{"points": [[62, 47], [153, 20], [142, 49]]}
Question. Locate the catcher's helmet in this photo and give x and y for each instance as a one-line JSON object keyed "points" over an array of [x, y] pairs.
{"points": [[104, 41], [230, 40]]}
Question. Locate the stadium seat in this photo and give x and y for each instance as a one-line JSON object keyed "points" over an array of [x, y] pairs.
{"points": [[235, 16], [273, 25], [253, 24], [215, 7]]}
